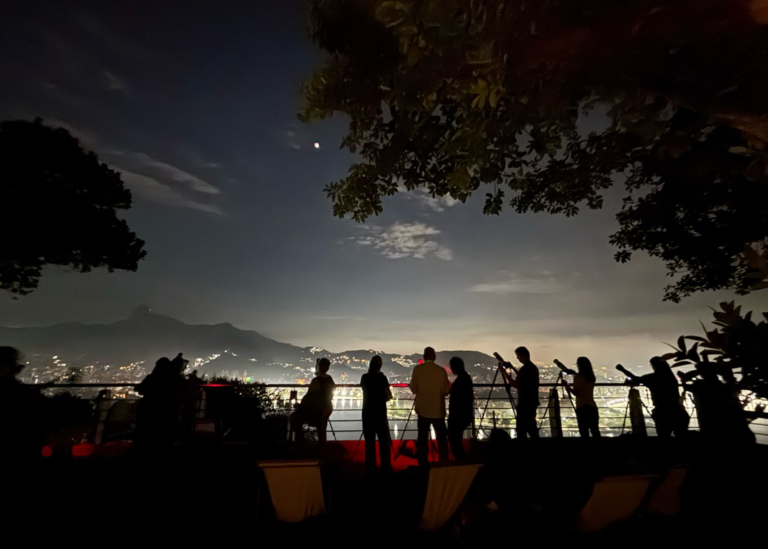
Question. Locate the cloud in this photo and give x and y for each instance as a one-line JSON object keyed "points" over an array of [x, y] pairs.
{"points": [[163, 169], [163, 183], [421, 195], [152, 190], [150, 179], [403, 240], [114, 83], [516, 283]]}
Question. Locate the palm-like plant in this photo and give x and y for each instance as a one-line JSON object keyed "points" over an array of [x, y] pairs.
{"points": [[736, 351]]}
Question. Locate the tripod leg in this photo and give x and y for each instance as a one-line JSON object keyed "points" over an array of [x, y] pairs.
{"points": [[626, 413], [488, 400]]}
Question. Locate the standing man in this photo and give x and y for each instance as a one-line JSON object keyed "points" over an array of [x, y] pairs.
{"points": [[430, 385], [527, 385]]}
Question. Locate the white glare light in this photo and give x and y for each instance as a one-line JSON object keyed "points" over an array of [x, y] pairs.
{"points": [[317, 145]]}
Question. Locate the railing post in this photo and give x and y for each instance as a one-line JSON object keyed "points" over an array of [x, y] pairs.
{"points": [[636, 413], [103, 404]]}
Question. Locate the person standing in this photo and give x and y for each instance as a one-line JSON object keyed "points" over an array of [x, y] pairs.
{"points": [[376, 394], [527, 385], [22, 414], [461, 407], [587, 415], [429, 383], [668, 413]]}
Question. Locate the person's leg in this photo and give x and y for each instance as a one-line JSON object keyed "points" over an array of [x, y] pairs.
{"points": [[422, 441], [369, 432], [582, 419], [384, 445], [526, 423], [441, 433], [594, 424], [455, 438], [662, 423], [520, 423]]}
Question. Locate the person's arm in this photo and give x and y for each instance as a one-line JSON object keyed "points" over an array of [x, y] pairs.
{"points": [[446, 388], [414, 385], [632, 377], [519, 378], [389, 391]]}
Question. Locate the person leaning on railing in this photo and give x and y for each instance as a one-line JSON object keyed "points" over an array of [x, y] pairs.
{"points": [[461, 407], [317, 405], [668, 413]]}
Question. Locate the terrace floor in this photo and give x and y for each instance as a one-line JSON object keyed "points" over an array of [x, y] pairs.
{"points": [[210, 492]]}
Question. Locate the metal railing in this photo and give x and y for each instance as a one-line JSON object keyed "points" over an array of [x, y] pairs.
{"points": [[493, 408]]}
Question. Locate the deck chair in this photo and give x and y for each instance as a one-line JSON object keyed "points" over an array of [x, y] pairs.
{"points": [[295, 488], [447, 487], [613, 499], [665, 500]]}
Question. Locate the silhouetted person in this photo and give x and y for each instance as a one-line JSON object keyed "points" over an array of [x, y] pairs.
{"points": [[376, 394], [668, 413], [317, 405], [429, 383], [587, 414], [527, 385], [22, 412], [461, 407], [719, 412], [193, 394], [158, 413]]}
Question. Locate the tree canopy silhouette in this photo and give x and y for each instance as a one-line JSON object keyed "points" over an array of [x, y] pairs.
{"points": [[455, 95], [58, 206]]}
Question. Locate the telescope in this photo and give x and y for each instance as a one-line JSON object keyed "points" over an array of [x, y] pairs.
{"points": [[504, 363], [563, 367], [624, 371]]}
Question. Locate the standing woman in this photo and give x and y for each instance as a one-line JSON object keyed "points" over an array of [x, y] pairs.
{"points": [[376, 394], [587, 415], [461, 407]]}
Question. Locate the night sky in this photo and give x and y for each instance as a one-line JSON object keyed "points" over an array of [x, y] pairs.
{"points": [[195, 103]]}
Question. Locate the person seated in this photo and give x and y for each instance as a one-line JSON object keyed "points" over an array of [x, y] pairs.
{"points": [[317, 405]]}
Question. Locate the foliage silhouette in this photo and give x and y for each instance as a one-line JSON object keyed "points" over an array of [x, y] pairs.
{"points": [[454, 95], [58, 206], [737, 351]]}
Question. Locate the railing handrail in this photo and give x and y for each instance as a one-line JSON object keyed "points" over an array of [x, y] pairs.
{"points": [[289, 385]]}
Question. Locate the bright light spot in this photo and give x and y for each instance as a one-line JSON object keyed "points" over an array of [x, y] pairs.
{"points": [[317, 145]]}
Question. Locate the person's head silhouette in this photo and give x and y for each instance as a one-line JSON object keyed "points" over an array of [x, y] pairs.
{"points": [[9, 362], [457, 366], [429, 354], [162, 366], [585, 368], [323, 365], [523, 355], [659, 365], [375, 365]]}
